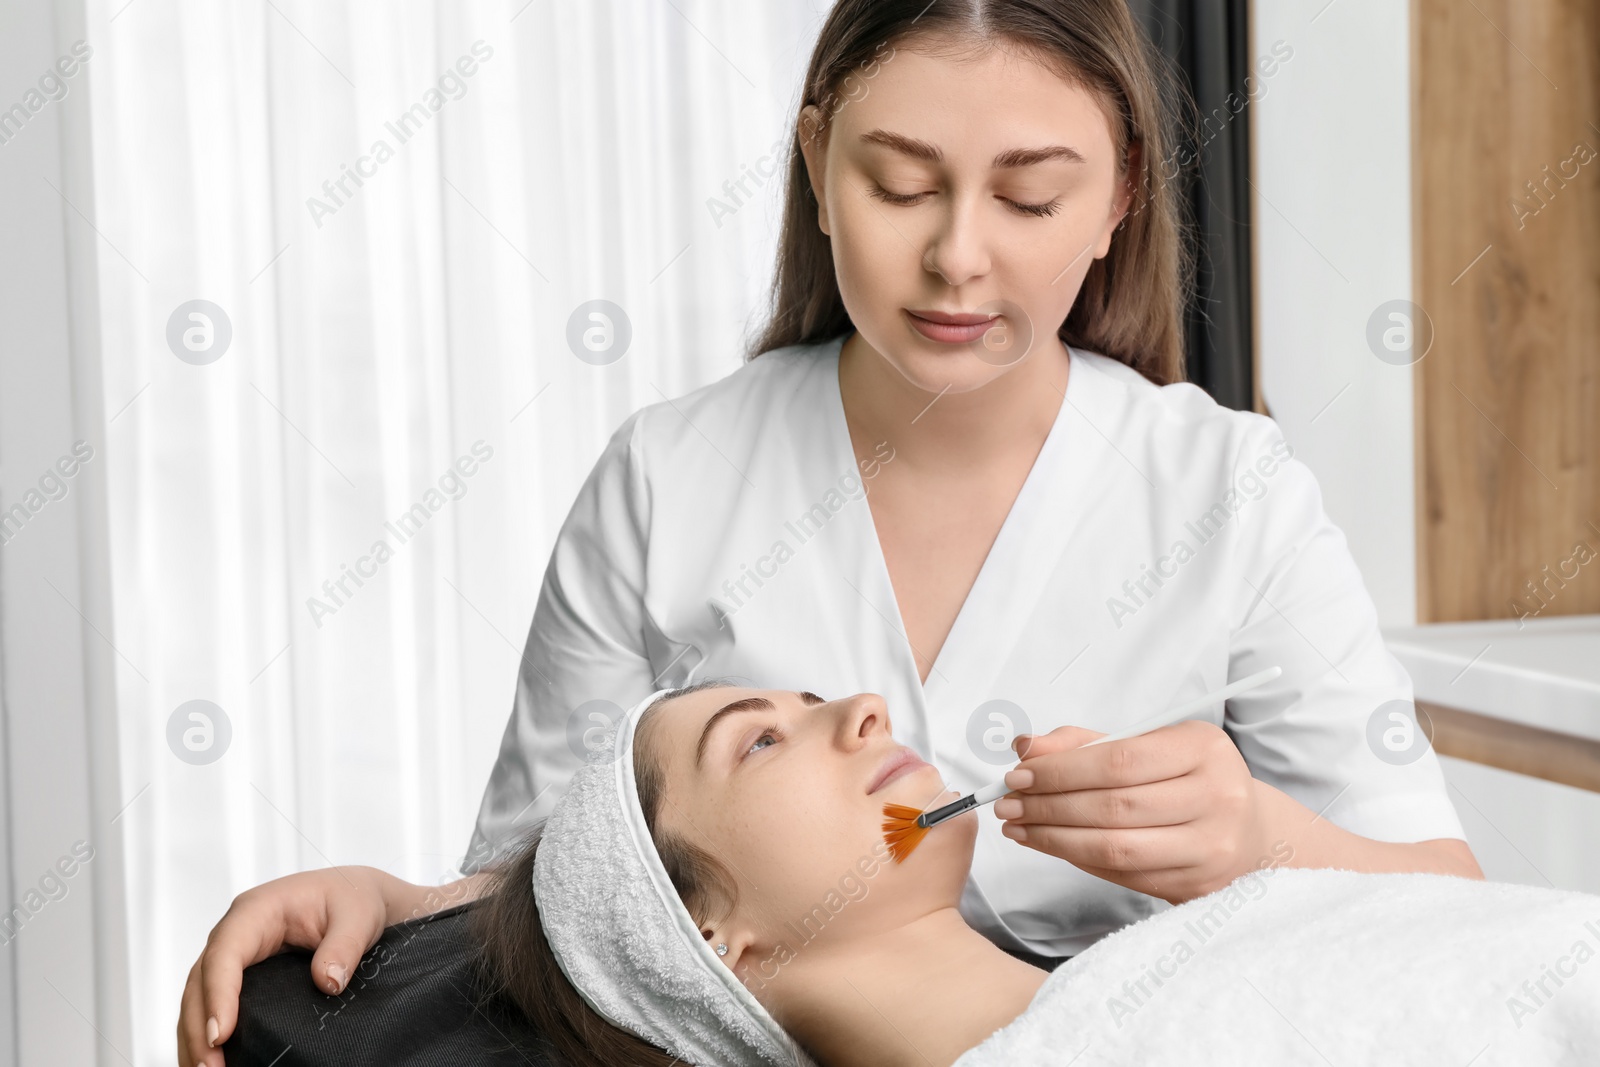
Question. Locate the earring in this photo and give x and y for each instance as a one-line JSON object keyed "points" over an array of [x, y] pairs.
{"points": [[722, 950]]}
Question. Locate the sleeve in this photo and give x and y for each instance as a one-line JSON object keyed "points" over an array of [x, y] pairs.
{"points": [[585, 653], [1316, 732]]}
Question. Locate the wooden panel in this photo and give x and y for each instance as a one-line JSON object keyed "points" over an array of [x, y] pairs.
{"points": [[1511, 746], [1506, 183]]}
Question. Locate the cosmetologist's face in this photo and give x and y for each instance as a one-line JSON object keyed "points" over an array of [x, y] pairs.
{"points": [[934, 201], [788, 792]]}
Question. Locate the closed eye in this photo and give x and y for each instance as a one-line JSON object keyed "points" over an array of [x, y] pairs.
{"points": [[908, 199], [1037, 210], [887, 197]]}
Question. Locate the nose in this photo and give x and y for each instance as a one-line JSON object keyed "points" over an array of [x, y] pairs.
{"points": [[861, 718], [959, 250]]}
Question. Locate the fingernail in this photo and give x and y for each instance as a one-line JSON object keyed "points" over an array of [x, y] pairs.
{"points": [[1015, 830], [213, 1031], [1021, 778], [336, 976], [1020, 742], [1008, 807]]}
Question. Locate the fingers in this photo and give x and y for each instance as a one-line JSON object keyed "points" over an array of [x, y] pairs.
{"points": [[338, 913], [351, 931], [1115, 849], [221, 976], [1171, 802], [1169, 752], [1061, 739], [211, 995], [193, 1050], [252, 930]]}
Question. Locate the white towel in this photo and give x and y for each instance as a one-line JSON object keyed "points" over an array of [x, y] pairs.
{"points": [[620, 932], [1328, 967]]}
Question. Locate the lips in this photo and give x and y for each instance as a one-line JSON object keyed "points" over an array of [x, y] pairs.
{"points": [[951, 328], [948, 318], [897, 764]]}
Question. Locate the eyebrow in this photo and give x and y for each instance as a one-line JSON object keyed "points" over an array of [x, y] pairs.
{"points": [[1011, 157], [747, 704]]}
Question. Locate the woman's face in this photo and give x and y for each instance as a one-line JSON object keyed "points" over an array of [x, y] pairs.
{"points": [[784, 789], [974, 185]]}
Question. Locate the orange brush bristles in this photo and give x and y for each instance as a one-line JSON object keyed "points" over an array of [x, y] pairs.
{"points": [[900, 830]]}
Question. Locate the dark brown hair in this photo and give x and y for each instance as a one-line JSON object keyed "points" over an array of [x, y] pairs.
{"points": [[515, 958], [1132, 302]]}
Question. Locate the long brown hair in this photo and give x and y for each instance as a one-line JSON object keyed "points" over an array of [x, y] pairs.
{"points": [[1132, 303], [515, 958]]}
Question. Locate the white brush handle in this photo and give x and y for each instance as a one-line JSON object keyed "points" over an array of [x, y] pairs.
{"points": [[994, 791], [991, 793], [1182, 711]]}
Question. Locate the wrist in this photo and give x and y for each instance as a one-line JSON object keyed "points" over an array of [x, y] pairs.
{"points": [[1289, 833], [1299, 837], [406, 900], [402, 900]]}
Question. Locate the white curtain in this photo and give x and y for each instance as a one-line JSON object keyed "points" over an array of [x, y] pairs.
{"points": [[555, 153]]}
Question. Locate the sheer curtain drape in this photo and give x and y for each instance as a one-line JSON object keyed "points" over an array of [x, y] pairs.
{"points": [[334, 532]]}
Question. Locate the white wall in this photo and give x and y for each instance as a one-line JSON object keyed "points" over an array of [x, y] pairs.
{"points": [[1332, 149]]}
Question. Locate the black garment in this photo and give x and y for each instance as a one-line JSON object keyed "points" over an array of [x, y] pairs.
{"points": [[413, 1002]]}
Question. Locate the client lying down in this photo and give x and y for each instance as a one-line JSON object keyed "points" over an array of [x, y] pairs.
{"points": [[683, 903]]}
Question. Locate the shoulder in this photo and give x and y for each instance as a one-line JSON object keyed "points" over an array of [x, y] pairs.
{"points": [[1175, 453], [699, 447], [1230, 473], [1188, 437], [704, 442], [733, 414], [1178, 427]]}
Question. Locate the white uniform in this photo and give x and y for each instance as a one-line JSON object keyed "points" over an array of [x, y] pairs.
{"points": [[1161, 546]]}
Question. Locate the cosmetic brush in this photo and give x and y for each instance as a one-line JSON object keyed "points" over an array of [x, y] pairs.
{"points": [[905, 826]]}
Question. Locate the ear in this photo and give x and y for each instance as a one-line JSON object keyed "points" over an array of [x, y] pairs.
{"points": [[813, 133], [1123, 202], [738, 942]]}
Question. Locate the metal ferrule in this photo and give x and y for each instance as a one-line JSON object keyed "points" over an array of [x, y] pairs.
{"points": [[949, 811]]}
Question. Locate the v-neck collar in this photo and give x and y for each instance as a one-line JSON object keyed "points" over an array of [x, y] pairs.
{"points": [[989, 616]]}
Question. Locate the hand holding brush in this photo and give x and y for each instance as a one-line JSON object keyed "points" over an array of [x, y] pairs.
{"points": [[904, 827]]}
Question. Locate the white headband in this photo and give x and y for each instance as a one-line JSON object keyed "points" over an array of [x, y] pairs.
{"points": [[621, 933]]}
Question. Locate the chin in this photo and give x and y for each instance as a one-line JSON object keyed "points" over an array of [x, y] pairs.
{"points": [[936, 366], [946, 852], [959, 834], [955, 370]]}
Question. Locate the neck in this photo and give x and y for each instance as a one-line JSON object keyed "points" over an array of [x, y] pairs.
{"points": [[962, 432], [919, 994]]}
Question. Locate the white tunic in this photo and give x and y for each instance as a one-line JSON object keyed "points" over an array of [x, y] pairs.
{"points": [[1161, 546]]}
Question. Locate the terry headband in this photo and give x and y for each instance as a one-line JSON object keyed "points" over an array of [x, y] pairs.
{"points": [[621, 933]]}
